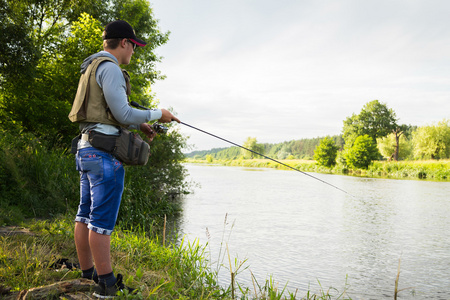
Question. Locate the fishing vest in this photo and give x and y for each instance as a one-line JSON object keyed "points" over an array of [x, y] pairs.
{"points": [[90, 105]]}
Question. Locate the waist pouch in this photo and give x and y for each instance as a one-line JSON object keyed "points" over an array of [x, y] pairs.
{"points": [[128, 147]]}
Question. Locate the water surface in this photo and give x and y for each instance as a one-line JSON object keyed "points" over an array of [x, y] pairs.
{"points": [[301, 231]]}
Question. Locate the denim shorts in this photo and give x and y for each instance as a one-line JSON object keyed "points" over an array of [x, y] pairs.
{"points": [[101, 187]]}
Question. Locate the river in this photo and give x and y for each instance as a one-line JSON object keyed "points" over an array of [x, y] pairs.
{"points": [[308, 235]]}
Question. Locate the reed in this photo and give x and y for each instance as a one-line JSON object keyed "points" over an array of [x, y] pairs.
{"points": [[158, 272], [430, 169], [397, 279]]}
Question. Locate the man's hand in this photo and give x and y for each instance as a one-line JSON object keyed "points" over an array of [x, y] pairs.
{"points": [[167, 117], [148, 131]]}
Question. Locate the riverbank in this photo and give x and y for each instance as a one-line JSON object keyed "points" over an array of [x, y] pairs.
{"points": [[438, 170], [46, 254], [42, 252]]}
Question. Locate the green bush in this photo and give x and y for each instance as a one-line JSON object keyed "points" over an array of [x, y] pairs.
{"points": [[35, 179], [150, 190], [326, 152], [39, 181], [362, 153]]}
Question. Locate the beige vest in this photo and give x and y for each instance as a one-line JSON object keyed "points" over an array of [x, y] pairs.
{"points": [[90, 104]]}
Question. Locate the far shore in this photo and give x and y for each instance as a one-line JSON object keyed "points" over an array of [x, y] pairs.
{"points": [[436, 170]]}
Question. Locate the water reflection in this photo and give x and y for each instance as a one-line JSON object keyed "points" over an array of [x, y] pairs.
{"points": [[301, 230]]}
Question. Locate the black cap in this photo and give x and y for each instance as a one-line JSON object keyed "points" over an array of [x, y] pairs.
{"points": [[121, 29]]}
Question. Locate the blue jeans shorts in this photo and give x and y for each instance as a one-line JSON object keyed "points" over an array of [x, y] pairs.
{"points": [[101, 187]]}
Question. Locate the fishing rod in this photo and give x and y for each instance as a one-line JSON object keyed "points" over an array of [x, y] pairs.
{"points": [[133, 103]]}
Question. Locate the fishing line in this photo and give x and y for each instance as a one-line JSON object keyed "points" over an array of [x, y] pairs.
{"points": [[135, 104], [267, 157]]}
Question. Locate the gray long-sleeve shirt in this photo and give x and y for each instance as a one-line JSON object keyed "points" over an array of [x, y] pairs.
{"points": [[110, 79]]}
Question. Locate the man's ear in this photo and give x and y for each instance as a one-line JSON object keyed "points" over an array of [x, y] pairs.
{"points": [[123, 43]]}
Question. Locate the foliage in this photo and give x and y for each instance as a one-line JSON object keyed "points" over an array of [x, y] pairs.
{"points": [[37, 182], [375, 120], [151, 191], [387, 144], [362, 153], [296, 149], [251, 144], [283, 153], [209, 158], [434, 170], [34, 182], [326, 152], [432, 141], [47, 41]]}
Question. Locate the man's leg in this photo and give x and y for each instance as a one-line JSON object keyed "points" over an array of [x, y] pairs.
{"points": [[82, 243], [100, 246]]}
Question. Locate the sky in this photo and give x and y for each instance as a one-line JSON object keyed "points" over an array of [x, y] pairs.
{"points": [[291, 69]]}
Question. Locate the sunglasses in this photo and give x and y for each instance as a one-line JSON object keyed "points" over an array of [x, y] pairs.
{"points": [[134, 45]]}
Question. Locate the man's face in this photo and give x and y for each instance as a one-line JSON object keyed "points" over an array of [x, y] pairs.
{"points": [[129, 50]]}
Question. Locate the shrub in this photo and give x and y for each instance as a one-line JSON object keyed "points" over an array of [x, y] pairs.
{"points": [[326, 152], [362, 153], [39, 181]]}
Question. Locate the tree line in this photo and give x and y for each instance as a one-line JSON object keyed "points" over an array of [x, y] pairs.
{"points": [[295, 149], [373, 134]]}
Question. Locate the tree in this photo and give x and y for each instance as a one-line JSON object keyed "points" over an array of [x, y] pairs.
{"points": [[46, 42], [283, 153], [375, 120], [326, 152], [394, 146], [432, 141], [361, 154], [253, 145]]}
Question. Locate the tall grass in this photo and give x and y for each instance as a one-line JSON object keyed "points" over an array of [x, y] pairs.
{"points": [[176, 271], [431, 169], [35, 181]]}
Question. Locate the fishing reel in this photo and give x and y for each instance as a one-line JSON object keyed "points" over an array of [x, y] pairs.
{"points": [[159, 129]]}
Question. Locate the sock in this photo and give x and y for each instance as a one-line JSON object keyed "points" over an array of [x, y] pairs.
{"points": [[108, 279], [90, 274]]}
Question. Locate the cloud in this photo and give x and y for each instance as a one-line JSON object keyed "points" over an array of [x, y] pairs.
{"points": [[297, 70]]}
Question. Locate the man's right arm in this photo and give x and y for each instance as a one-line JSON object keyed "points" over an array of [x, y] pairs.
{"points": [[110, 79]]}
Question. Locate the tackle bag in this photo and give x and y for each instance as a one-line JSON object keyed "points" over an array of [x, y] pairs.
{"points": [[128, 147]]}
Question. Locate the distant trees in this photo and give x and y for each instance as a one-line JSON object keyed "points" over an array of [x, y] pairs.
{"points": [[251, 144], [295, 149], [394, 146], [432, 141], [371, 135], [375, 121], [326, 152]]}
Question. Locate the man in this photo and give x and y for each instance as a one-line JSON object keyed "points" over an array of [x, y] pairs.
{"points": [[107, 88]]}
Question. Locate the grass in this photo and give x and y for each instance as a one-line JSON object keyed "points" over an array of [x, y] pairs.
{"points": [[429, 169], [419, 170], [157, 271]]}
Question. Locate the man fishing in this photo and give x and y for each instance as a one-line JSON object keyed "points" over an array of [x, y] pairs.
{"points": [[106, 111]]}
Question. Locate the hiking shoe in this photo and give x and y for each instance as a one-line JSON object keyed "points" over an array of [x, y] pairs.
{"points": [[105, 292]]}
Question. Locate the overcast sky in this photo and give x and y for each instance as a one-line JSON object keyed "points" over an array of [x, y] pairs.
{"points": [[287, 70]]}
